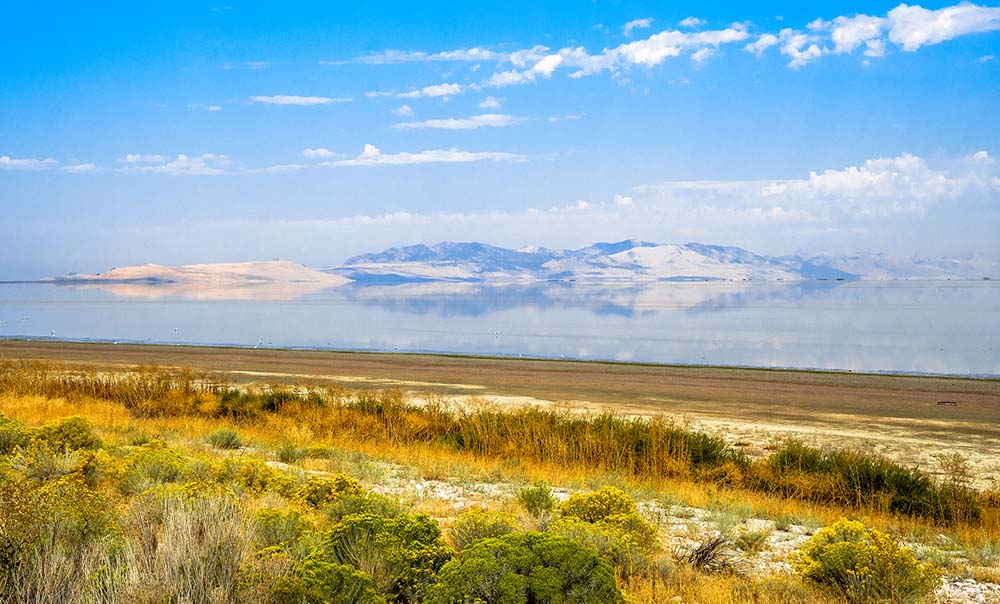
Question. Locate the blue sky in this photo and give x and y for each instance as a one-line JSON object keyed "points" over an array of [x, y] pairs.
{"points": [[198, 132]]}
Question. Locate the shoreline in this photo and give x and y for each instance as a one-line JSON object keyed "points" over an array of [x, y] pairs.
{"points": [[989, 377]]}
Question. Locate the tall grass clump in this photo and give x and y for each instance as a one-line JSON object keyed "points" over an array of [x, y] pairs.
{"points": [[855, 479]]}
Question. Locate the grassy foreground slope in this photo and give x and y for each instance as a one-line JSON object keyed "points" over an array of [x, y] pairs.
{"points": [[148, 484]]}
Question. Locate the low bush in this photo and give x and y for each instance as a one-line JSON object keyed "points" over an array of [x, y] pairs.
{"points": [[225, 438], [526, 568], [475, 525], [537, 500], [864, 566], [401, 554], [318, 492]]}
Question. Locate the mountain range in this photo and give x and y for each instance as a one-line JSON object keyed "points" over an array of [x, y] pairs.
{"points": [[635, 261], [625, 262]]}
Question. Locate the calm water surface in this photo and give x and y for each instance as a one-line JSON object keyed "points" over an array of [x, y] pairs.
{"points": [[921, 327]]}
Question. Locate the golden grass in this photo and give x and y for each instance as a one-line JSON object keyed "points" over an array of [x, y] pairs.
{"points": [[431, 461]]}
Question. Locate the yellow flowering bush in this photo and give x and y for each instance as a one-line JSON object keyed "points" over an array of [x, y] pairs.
{"points": [[864, 565]]}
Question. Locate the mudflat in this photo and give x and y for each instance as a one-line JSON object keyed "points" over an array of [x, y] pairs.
{"points": [[910, 418]]}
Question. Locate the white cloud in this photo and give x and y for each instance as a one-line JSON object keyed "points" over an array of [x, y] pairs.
{"points": [[305, 101], [207, 164], [800, 47], [913, 26], [624, 200], [543, 67], [373, 156], [402, 111], [251, 65], [27, 164], [692, 22], [318, 153], [138, 158], [848, 33], [986, 58], [434, 91], [761, 44], [201, 107], [886, 186], [700, 56], [491, 120], [637, 24], [489, 103], [79, 168]]}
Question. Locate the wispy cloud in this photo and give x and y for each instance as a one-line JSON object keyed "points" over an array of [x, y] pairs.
{"points": [[250, 65], [305, 101], [79, 168], [402, 111], [201, 107], [28, 163], [207, 164], [487, 120], [318, 153], [634, 24], [692, 23], [489, 103], [475, 54], [373, 156]]}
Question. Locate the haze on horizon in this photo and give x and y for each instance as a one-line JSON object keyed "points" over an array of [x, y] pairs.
{"points": [[231, 131]]}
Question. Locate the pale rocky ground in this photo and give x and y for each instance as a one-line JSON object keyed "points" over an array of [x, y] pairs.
{"points": [[681, 526]]}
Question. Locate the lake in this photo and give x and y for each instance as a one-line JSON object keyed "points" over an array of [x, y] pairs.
{"points": [[950, 327]]}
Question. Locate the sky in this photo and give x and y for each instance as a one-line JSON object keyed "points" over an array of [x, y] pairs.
{"points": [[192, 132]]}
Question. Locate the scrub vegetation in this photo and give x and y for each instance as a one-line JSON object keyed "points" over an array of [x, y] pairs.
{"points": [[154, 485]]}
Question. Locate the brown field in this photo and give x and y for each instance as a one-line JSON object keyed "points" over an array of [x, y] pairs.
{"points": [[900, 416]]}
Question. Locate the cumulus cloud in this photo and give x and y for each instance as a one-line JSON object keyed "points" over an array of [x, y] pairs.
{"points": [[402, 111], [304, 101], [490, 120], [908, 27], [637, 24], [28, 164], [373, 156], [914, 26], [904, 184], [207, 164]]}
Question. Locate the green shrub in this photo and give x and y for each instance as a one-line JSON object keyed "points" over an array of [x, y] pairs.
{"points": [[402, 554], [12, 435], [225, 438], [338, 584], [317, 492], [350, 503], [612, 545], [69, 434], [618, 532], [474, 525], [537, 500], [597, 505], [864, 565], [276, 527], [526, 568], [291, 453], [151, 465]]}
